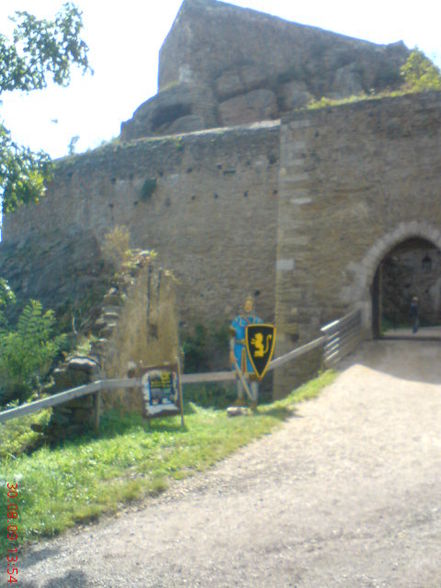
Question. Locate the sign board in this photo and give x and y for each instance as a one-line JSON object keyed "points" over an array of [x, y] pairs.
{"points": [[161, 392]]}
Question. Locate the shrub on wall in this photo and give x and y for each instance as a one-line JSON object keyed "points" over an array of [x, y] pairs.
{"points": [[420, 73], [116, 246], [148, 187]]}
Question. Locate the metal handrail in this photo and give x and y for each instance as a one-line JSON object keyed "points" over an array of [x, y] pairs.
{"points": [[342, 336]]}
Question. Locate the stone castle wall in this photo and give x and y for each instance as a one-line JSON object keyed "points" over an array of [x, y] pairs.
{"points": [[212, 217]]}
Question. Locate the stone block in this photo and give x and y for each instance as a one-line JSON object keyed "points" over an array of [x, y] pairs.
{"points": [[78, 371], [283, 265], [85, 365], [110, 316]]}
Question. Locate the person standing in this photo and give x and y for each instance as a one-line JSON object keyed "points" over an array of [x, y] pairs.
{"points": [[414, 315], [238, 352]]}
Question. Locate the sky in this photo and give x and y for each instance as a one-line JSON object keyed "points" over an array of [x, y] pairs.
{"points": [[124, 40]]}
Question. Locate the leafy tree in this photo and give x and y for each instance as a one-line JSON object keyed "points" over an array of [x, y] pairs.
{"points": [[7, 297], [420, 73], [40, 51], [23, 173], [27, 352]]}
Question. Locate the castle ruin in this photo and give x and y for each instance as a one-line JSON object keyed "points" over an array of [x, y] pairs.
{"points": [[242, 189]]}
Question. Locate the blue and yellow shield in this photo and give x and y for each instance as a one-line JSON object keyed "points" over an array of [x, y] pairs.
{"points": [[260, 340]]}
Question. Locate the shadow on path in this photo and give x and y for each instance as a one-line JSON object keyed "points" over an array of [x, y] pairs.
{"points": [[418, 360]]}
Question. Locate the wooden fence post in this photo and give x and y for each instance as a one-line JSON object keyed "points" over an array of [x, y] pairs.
{"points": [[96, 411]]}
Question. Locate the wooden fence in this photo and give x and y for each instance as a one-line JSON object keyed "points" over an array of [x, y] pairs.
{"points": [[338, 339]]}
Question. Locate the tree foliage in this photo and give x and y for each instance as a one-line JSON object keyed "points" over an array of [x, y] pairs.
{"points": [[42, 49], [7, 297], [26, 350], [420, 73], [39, 51], [23, 173]]}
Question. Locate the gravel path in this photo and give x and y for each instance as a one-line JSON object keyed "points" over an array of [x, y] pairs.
{"points": [[346, 493]]}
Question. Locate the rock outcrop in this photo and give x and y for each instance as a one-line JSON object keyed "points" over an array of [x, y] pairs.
{"points": [[222, 65]]}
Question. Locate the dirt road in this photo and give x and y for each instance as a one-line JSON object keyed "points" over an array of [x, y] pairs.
{"points": [[347, 493]]}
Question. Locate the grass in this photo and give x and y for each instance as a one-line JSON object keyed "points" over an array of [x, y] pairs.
{"points": [[324, 102], [80, 479], [17, 437]]}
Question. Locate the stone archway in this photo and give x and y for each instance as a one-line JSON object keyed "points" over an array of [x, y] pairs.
{"points": [[367, 276], [411, 268]]}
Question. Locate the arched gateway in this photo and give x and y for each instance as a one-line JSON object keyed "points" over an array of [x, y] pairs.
{"points": [[367, 276]]}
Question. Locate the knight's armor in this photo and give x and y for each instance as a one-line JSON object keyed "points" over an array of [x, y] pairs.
{"points": [[237, 330], [238, 347]]}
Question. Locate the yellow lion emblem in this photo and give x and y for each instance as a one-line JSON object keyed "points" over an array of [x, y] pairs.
{"points": [[257, 342]]}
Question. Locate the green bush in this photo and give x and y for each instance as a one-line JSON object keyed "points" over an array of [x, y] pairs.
{"points": [[23, 435], [196, 351], [27, 352], [211, 395], [206, 348]]}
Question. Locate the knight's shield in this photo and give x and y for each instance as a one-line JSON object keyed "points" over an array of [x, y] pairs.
{"points": [[260, 341]]}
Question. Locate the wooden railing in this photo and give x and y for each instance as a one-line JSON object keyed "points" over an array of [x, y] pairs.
{"points": [[67, 395], [338, 339], [231, 375]]}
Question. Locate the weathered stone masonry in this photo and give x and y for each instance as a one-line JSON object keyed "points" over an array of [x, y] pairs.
{"points": [[212, 217], [227, 217]]}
